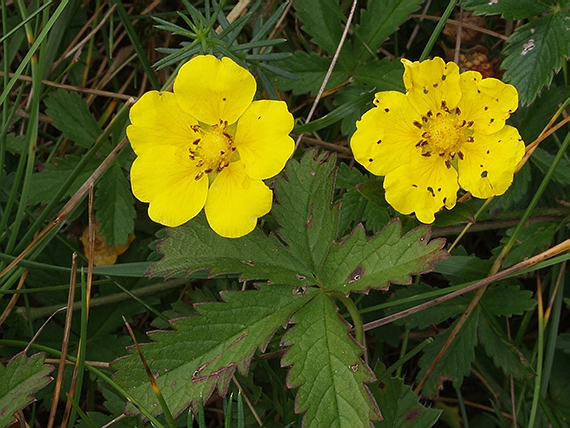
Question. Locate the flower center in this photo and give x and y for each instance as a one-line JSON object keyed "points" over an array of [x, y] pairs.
{"points": [[444, 133], [213, 150]]}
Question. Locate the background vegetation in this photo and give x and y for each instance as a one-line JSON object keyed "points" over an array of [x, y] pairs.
{"points": [[71, 69]]}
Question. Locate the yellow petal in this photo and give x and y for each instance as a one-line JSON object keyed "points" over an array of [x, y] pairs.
{"points": [[262, 138], [490, 161], [431, 82], [235, 202], [158, 120], [423, 186], [386, 136], [165, 176], [487, 102], [214, 90]]}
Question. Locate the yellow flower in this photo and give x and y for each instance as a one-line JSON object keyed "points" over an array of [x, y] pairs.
{"points": [[208, 145], [448, 130]]}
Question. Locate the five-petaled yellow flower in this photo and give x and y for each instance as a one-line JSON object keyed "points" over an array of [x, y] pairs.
{"points": [[208, 145], [448, 130]]}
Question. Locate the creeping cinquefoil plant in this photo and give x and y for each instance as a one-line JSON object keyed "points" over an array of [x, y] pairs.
{"points": [[447, 131]]}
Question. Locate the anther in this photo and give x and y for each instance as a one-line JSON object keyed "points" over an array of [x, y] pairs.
{"points": [[418, 124], [199, 176]]}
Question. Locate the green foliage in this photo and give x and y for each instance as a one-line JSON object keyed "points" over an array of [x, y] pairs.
{"points": [[202, 353], [510, 9], [535, 52], [114, 206], [71, 115], [20, 379], [399, 404], [327, 368]]}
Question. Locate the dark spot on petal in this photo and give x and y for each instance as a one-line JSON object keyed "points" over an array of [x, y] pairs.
{"points": [[491, 120], [414, 185], [439, 189], [258, 117], [370, 160], [486, 108], [478, 91], [488, 151], [443, 77], [481, 166], [484, 174], [435, 85], [429, 189], [378, 142], [499, 141], [444, 200], [223, 99], [387, 110], [426, 91]]}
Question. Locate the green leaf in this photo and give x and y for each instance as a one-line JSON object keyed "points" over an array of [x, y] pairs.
{"points": [[535, 52], [19, 381], [456, 362], [47, 183], [309, 220], [310, 69], [359, 263], [327, 368], [505, 354], [509, 9], [114, 207], [322, 20], [195, 246], [508, 300], [71, 115], [382, 75], [203, 352], [533, 239], [399, 404], [462, 269], [380, 19]]}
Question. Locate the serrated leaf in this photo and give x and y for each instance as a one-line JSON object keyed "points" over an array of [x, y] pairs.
{"points": [[19, 381], [322, 21], [114, 207], [195, 246], [456, 362], [380, 19], [535, 52], [309, 220], [203, 352], [505, 354], [45, 184], [327, 369], [462, 269], [509, 9], [359, 263], [310, 69], [399, 404], [71, 115], [508, 300]]}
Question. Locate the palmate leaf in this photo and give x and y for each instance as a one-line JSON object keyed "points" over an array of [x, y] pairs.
{"points": [[399, 404], [309, 222], [359, 263], [195, 246], [322, 21], [327, 369], [19, 380], [203, 352], [535, 52]]}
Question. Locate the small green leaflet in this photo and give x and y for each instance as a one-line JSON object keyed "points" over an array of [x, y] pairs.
{"points": [[535, 52], [327, 369], [71, 115], [202, 353], [195, 246], [359, 263], [305, 212], [399, 404], [322, 20], [509, 9], [19, 381]]}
